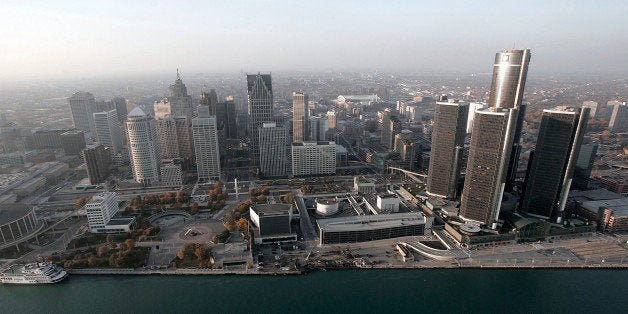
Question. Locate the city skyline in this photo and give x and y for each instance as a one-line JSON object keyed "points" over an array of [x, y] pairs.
{"points": [[65, 40]]}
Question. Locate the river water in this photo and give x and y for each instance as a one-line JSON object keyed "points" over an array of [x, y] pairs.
{"points": [[343, 291]]}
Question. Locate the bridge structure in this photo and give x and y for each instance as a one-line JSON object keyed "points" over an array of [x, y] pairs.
{"points": [[412, 175]]}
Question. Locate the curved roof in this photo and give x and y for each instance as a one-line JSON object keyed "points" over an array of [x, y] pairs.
{"points": [[137, 112], [12, 212]]}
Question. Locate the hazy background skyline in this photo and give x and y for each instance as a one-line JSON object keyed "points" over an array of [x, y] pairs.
{"points": [[67, 39]]}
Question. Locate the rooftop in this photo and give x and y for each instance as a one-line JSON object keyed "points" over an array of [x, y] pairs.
{"points": [[619, 206], [370, 222], [272, 209]]}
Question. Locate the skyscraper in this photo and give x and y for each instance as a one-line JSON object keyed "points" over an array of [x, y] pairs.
{"points": [[120, 106], [450, 128], [143, 147], [584, 165], [300, 117], [260, 107], [175, 138], [318, 127], [97, 160], [73, 142], [210, 100], [509, 78], [553, 162], [619, 118], [487, 166], [107, 130], [205, 135], [82, 106], [180, 102], [391, 126], [272, 148]]}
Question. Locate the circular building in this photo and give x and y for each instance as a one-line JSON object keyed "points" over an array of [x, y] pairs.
{"points": [[326, 206], [469, 229], [17, 221]]}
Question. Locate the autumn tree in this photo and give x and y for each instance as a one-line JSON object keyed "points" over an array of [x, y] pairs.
{"points": [[230, 226], [289, 198], [242, 224]]}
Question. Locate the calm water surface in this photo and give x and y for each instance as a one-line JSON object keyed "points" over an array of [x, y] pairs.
{"points": [[347, 291]]}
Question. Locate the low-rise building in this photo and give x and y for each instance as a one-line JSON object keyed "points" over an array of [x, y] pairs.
{"points": [[373, 227], [100, 212], [272, 223], [388, 202]]}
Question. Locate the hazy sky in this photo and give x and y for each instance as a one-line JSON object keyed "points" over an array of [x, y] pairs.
{"points": [[94, 38]]}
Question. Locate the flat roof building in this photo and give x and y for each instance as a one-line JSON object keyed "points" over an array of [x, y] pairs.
{"points": [[272, 223], [373, 227]]}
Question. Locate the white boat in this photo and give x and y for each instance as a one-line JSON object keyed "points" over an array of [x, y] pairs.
{"points": [[33, 274]]}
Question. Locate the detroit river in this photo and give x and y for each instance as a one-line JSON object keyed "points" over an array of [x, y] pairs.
{"points": [[346, 291]]}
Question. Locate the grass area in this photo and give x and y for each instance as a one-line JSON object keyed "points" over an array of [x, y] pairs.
{"points": [[415, 188], [13, 252]]}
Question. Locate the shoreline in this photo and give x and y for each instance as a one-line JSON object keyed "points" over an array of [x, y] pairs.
{"points": [[211, 272]]}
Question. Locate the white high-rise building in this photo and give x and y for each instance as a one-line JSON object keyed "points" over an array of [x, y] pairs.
{"points": [[313, 158], [108, 130], [272, 150], [205, 135], [143, 147], [99, 210]]}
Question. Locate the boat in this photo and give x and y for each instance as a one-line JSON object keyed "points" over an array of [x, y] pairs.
{"points": [[33, 274]]}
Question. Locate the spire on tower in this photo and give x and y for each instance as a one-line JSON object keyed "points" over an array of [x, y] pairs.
{"points": [[178, 77]]}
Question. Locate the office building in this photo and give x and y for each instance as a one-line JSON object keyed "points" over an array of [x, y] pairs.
{"points": [[82, 106], [619, 119], [487, 165], [318, 127], [72, 142], [107, 130], [593, 107], [180, 102], [97, 160], [300, 117], [472, 108], [272, 150], [332, 118], [206, 150], [584, 165], [143, 147], [507, 87], [119, 103], [175, 138], [209, 99], [553, 162], [313, 158], [391, 126], [162, 109], [101, 210], [226, 118], [48, 138], [450, 129], [171, 173], [260, 108]]}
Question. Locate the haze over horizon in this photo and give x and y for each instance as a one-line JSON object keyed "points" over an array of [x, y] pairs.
{"points": [[64, 39]]}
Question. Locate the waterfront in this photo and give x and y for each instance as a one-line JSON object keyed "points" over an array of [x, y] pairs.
{"points": [[347, 291]]}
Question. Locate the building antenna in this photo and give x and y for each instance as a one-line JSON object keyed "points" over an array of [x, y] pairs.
{"points": [[178, 77]]}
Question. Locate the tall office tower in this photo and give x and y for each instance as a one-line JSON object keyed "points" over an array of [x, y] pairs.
{"points": [[180, 102], [553, 162], [619, 119], [472, 108], [108, 130], [509, 78], [318, 128], [300, 117], [162, 109], [73, 142], [97, 160], [260, 108], [205, 135], [103, 105], [209, 99], [82, 106], [401, 138], [313, 158], [231, 126], [175, 138], [391, 126], [487, 166], [584, 164], [272, 150], [331, 117], [119, 104], [450, 128], [593, 107], [143, 147]]}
